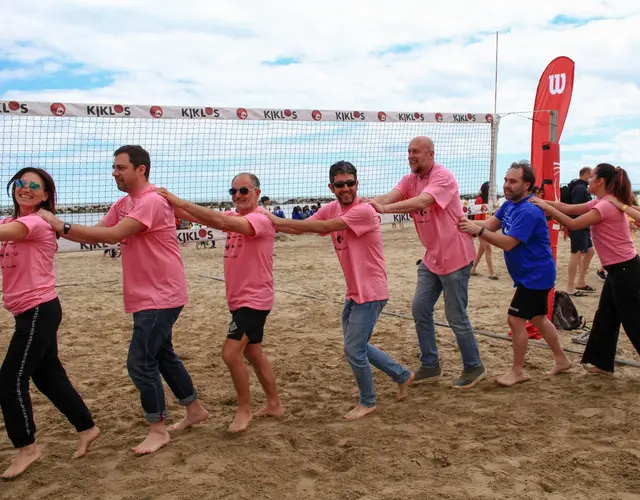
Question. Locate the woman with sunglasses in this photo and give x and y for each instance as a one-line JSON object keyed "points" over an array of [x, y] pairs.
{"points": [[620, 298], [29, 293]]}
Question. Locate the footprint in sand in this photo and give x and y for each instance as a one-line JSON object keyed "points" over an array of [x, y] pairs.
{"points": [[307, 480]]}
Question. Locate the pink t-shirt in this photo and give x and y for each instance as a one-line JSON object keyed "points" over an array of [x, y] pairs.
{"points": [[152, 269], [248, 264], [359, 250], [447, 249], [612, 236], [28, 273]]}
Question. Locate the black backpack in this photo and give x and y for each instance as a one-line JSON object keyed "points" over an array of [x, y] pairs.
{"points": [[565, 194], [565, 314]]}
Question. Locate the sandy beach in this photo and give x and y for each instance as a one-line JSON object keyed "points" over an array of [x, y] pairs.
{"points": [[572, 436]]}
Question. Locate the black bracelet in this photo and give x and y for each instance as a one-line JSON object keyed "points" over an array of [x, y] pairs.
{"points": [[480, 233]]}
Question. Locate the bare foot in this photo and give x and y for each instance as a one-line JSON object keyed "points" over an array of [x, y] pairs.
{"points": [[268, 411], [191, 418], [85, 438], [594, 370], [562, 366], [512, 378], [359, 412], [403, 389], [240, 421], [152, 443], [25, 457]]}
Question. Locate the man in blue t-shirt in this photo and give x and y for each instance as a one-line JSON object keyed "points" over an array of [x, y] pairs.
{"points": [[527, 254]]}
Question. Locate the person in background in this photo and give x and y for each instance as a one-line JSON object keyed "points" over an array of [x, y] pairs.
{"points": [[484, 247]]}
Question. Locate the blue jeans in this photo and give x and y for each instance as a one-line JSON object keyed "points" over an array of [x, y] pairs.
{"points": [[151, 354], [456, 294], [358, 321]]}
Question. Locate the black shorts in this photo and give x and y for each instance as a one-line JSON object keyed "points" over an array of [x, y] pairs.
{"points": [[249, 322], [580, 240], [527, 303]]}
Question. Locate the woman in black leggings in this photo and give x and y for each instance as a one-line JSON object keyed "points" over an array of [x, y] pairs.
{"points": [[620, 298], [29, 293]]}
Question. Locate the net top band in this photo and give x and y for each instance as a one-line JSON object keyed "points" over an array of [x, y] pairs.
{"points": [[79, 110]]}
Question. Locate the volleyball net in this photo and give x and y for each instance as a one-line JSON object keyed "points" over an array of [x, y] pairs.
{"points": [[196, 151]]}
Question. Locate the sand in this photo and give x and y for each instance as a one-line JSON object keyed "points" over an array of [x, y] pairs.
{"points": [[573, 436]]}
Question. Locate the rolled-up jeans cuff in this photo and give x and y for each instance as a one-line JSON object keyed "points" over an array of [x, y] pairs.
{"points": [[154, 418], [189, 400]]}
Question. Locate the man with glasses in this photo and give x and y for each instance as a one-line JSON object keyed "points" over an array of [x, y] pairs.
{"points": [[154, 289], [430, 194], [248, 277], [355, 231]]}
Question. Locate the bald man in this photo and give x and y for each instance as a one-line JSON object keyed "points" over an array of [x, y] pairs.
{"points": [[430, 194]]}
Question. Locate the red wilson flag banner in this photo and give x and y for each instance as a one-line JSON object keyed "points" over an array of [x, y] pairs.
{"points": [[554, 94]]}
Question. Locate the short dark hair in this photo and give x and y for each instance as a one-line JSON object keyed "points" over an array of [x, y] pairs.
{"points": [[584, 170], [527, 172], [342, 167], [137, 156], [253, 177]]}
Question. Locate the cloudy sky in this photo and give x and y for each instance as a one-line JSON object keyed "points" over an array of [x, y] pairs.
{"points": [[354, 54]]}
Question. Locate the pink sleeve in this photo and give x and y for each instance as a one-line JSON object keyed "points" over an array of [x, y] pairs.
{"points": [[110, 219], [604, 208], [261, 224], [362, 219], [147, 208], [442, 186], [403, 186], [38, 227], [321, 214]]}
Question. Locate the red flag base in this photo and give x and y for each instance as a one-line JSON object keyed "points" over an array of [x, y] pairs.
{"points": [[532, 331]]}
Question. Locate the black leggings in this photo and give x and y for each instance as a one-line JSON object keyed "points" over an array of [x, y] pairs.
{"points": [[33, 353], [619, 304]]}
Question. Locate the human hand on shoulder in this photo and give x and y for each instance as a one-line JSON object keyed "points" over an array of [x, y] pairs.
{"points": [[539, 202], [171, 198], [615, 202], [55, 223], [378, 208]]}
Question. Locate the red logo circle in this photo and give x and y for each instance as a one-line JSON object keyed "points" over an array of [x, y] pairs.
{"points": [[416, 115], [287, 113], [489, 118], [14, 105], [438, 117], [208, 111], [382, 116], [469, 116], [356, 114], [118, 108], [58, 109], [156, 111], [316, 115], [202, 233], [242, 113]]}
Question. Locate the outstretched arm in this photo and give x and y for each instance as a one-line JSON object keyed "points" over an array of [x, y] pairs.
{"points": [[392, 196], [631, 211], [94, 234], [308, 226], [415, 204], [208, 217], [583, 221], [13, 231], [565, 208], [502, 241]]}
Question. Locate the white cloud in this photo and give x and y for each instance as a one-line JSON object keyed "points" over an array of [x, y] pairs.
{"points": [[199, 52]]}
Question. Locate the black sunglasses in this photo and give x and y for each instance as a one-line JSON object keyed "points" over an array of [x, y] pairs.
{"points": [[243, 190], [340, 184]]}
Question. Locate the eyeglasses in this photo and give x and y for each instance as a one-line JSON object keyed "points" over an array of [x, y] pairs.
{"points": [[340, 184], [21, 183], [242, 190]]}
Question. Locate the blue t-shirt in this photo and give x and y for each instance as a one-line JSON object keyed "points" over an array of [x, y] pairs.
{"points": [[530, 263]]}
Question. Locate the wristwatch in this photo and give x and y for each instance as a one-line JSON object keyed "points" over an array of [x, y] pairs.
{"points": [[66, 227]]}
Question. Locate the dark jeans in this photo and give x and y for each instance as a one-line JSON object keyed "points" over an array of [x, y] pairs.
{"points": [[619, 303], [151, 355], [33, 353]]}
